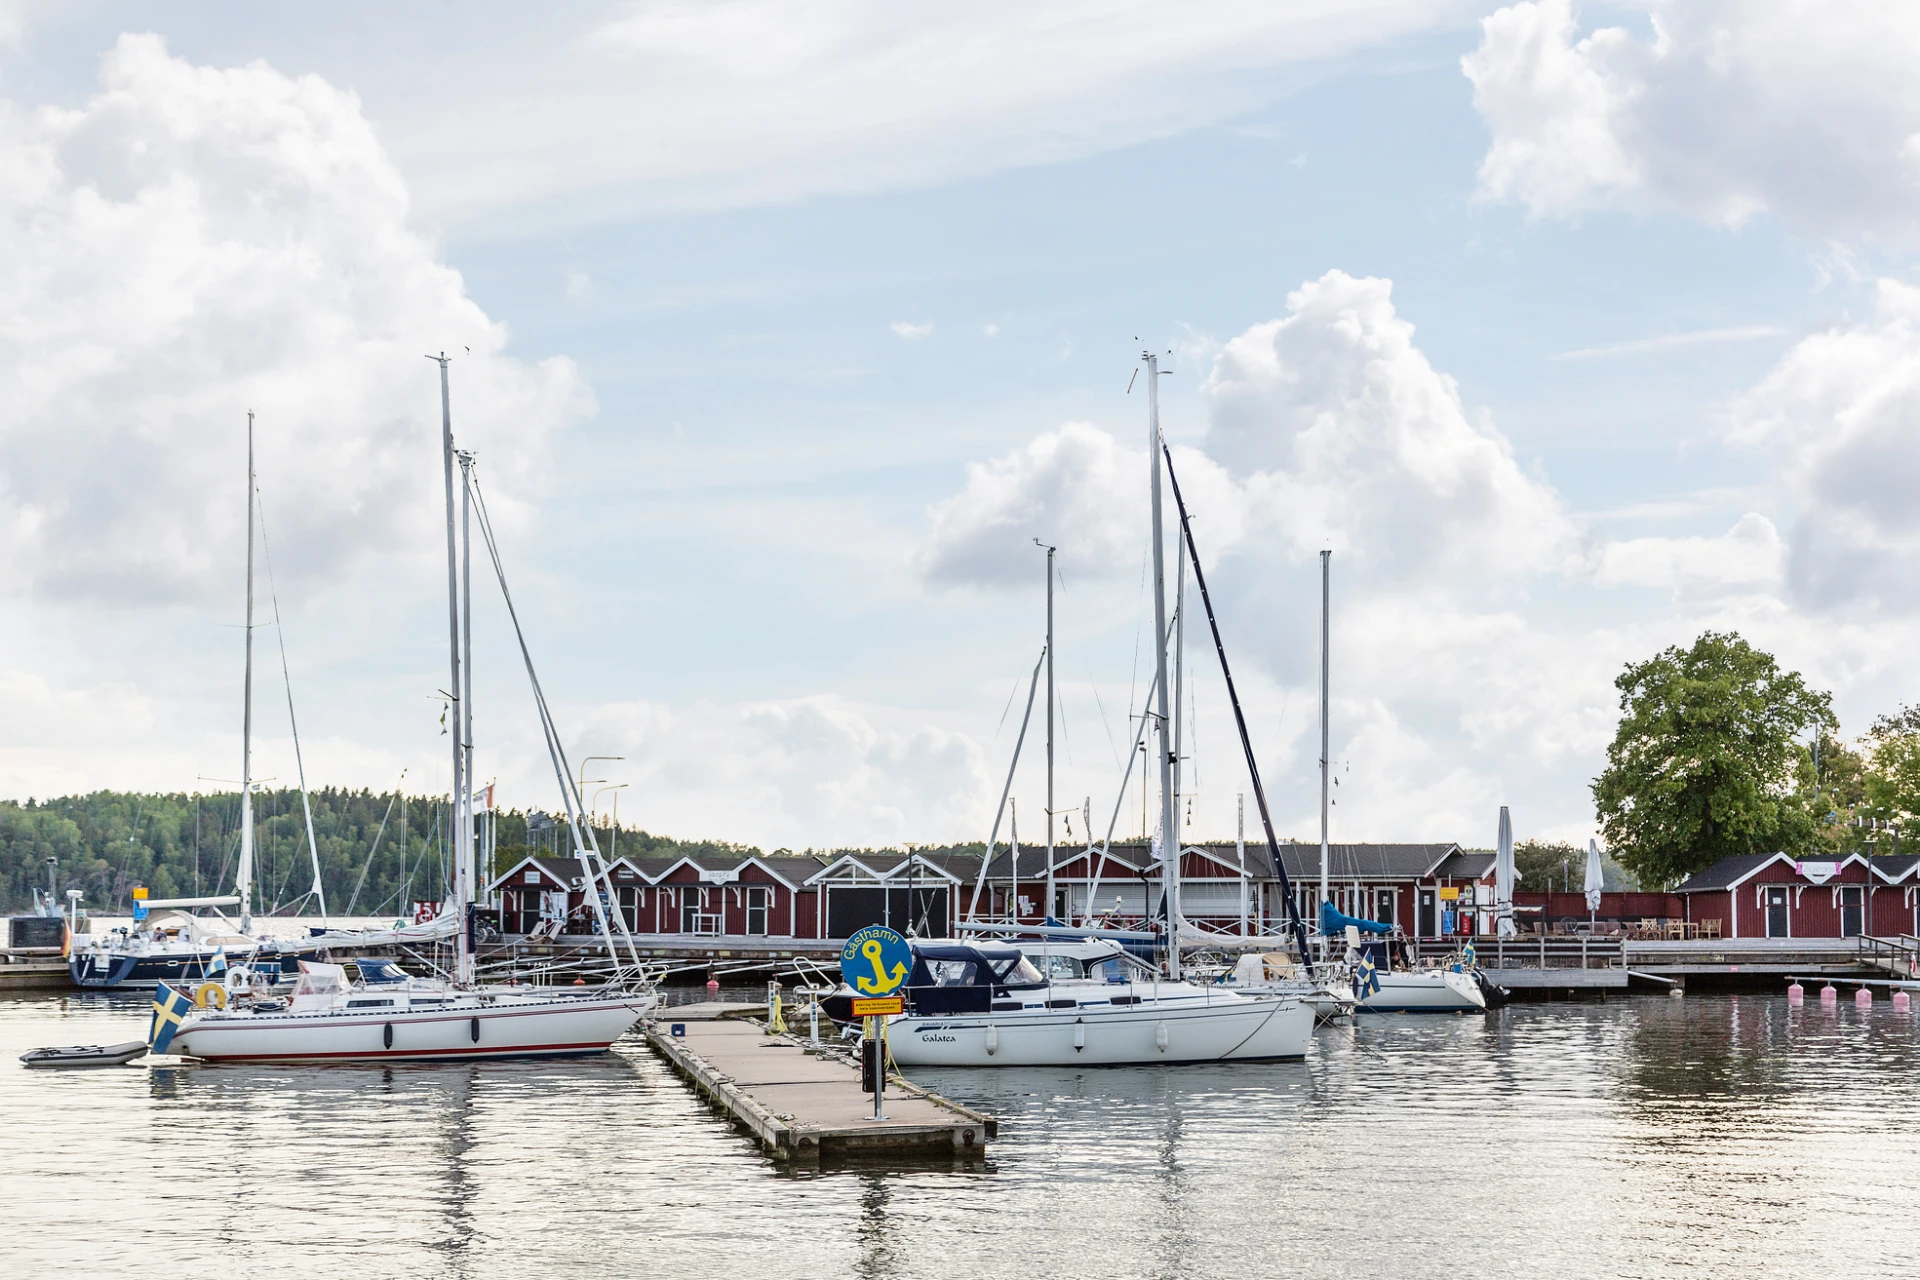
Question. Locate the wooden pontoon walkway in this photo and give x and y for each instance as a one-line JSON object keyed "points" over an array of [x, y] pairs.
{"points": [[805, 1106]]}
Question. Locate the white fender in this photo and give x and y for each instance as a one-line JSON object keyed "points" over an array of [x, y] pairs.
{"points": [[1160, 1036], [1079, 1033], [993, 1039]]}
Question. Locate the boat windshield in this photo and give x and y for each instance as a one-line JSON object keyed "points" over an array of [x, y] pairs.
{"points": [[951, 973], [1018, 972]]}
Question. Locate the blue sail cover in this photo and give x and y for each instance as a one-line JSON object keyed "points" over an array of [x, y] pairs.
{"points": [[1332, 921]]}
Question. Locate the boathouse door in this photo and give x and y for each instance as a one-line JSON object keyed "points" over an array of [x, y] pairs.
{"points": [[1427, 919], [1851, 923], [1777, 912]]}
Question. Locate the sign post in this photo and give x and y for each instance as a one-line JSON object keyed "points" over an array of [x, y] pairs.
{"points": [[875, 962]]}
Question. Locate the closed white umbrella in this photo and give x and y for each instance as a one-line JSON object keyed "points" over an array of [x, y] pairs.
{"points": [[1596, 878], [1503, 878]]}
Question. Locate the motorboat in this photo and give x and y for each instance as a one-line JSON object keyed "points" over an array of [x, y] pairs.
{"points": [[388, 1015], [169, 945], [982, 1004]]}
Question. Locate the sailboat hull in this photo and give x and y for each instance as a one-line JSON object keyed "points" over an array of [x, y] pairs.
{"points": [[467, 1029], [1244, 1031], [1426, 991]]}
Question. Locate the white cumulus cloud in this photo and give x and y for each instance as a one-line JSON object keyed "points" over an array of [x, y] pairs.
{"points": [[907, 331], [1718, 108], [193, 242]]}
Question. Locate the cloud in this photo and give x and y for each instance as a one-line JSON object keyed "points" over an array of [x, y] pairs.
{"points": [[1748, 556], [671, 104], [1348, 436], [785, 772], [1673, 341], [911, 332], [191, 243], [990, 330], [1840, 416], [1716, 108]]}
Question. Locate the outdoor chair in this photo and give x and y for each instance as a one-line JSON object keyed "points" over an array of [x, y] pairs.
{"points": [[1709, 928]]}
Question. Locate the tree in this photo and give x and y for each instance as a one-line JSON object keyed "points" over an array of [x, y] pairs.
{"points": [[1707, 760], [1891, 783]]}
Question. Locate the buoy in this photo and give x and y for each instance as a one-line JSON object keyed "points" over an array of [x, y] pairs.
{"points": [[713, 985], [1796, 994], [1901, 1001], [1079, 1033], [1676, 991], [579, 982], [993, 1039], [1828, 995], [1160, 1036], [1863, 998]]}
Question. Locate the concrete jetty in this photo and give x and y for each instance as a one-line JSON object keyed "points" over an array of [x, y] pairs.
{"points": [[806, 1106]]}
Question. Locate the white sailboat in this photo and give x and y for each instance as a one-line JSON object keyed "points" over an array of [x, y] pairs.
{"points": [[388, 1015], [168, 943], [1087, 1001]]}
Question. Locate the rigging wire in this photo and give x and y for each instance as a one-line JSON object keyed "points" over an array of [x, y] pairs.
{"points": [[365, 866], [299, 762]]}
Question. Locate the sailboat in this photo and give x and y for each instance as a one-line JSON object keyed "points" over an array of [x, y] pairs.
{"points": [[1076, 995], [386, 1014], [167, 942]]}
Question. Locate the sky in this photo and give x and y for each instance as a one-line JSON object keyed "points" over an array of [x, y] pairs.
{"points": [[782, 331]]}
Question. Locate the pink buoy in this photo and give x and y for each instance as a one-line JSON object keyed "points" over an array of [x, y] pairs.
{"points": [[713, 985], [1863, 998], [1828, 995], [1796, 994], [1901, 1001]]}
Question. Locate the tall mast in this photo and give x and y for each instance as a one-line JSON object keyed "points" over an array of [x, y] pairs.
{"points": [[245, 885], [1169, 850], [462, 954], [1047, 911], [463, 813], [1326, 562], [1179, 680]]}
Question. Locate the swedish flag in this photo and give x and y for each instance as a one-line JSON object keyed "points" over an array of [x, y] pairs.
{"points": [[1468, 957], [169, 1008], [1366, 978], [217, 964]]}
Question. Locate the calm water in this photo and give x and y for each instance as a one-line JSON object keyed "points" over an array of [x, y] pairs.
{"points": [[1716, 1135]]}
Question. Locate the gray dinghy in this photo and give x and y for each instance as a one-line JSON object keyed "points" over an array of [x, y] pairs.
{"points": [[87, 1055]]}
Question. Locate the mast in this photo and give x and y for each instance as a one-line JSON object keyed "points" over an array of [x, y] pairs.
{"points": [[462, 953], [1169, 850], [1326, 562], [1046, 912], [1240, 851], [245, 885], [464, 880], [1179, 679]]}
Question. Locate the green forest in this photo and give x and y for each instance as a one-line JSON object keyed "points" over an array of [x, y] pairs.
{"points": [[378, 850]]}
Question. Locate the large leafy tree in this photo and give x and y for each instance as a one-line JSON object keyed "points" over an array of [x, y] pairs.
{"points": [[1891, 784], [1707, 759]]}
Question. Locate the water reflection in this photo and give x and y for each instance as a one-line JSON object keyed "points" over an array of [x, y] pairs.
{"points": [[1717, 1134]]}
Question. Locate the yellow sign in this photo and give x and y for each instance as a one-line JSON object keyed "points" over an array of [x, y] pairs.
{"points": [[1449, 894], [140, 894], [878, 1007]]}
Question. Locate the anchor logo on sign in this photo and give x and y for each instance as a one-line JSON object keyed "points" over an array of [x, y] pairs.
{"points": [[881, 982]]}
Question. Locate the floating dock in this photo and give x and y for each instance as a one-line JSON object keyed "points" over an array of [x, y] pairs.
{"points": [[805, 1106], [18, 971]]}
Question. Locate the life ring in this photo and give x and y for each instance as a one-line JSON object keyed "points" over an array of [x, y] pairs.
{"points": [[210, 991]]}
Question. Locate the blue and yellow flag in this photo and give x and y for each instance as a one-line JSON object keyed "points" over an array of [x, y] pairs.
{"points": [[1366, 978], [1467, 956], [218, 963], [169, 1008]]}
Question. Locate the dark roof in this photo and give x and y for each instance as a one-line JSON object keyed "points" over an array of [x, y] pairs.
{"points": [[1467, 866], [1893, 866], [1726, 873], [1346, 861]]}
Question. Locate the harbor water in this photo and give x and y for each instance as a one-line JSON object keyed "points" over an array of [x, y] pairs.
{"points": [[1716, 1135]]}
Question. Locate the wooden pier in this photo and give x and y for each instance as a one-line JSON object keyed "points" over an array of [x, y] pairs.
{"points": [[806, 1106]]}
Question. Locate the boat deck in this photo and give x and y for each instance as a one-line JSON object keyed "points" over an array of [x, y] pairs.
{"points": [[805, 1106]]}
